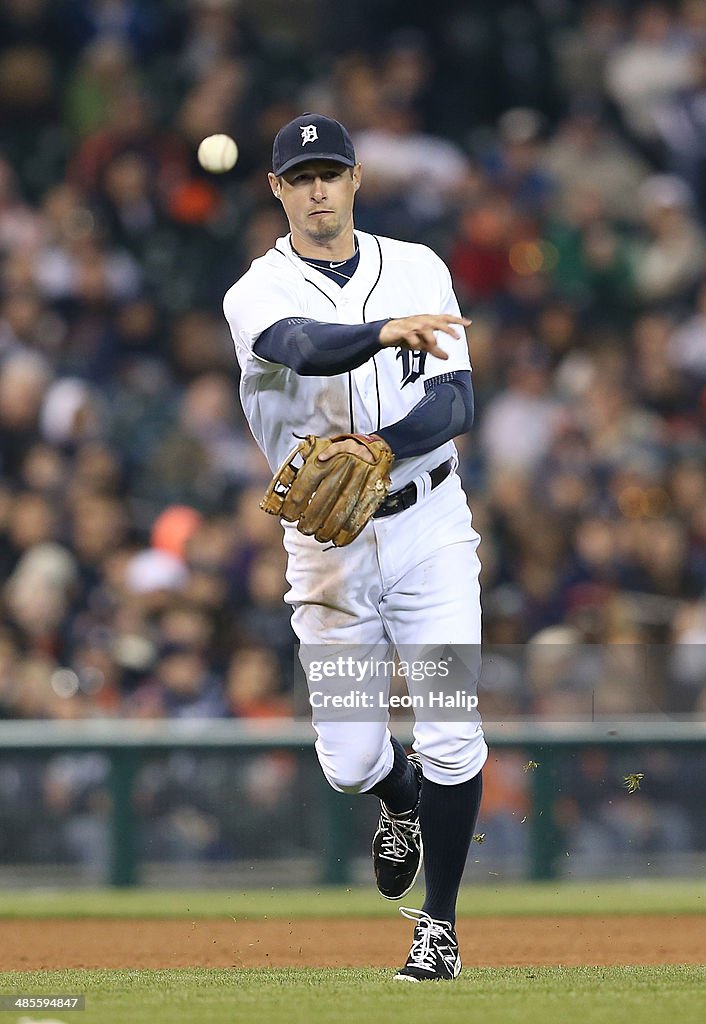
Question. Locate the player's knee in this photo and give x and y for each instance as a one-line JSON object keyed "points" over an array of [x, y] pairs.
{"points": [[351, 776], [346, 786], [452, 758]]}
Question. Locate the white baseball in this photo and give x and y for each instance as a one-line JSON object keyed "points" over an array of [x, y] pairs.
{"points": [[218, 153]]}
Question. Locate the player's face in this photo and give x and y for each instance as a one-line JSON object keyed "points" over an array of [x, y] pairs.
{"points": [[317, 197]]}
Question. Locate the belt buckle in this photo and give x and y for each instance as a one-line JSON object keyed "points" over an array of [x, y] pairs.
{"points": [[388, 507], [393, 503]]}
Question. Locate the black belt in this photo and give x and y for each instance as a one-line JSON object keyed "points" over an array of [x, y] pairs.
{"points": [[407, 496]]}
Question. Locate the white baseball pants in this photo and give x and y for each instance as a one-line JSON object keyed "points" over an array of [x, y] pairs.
{"points": [[409, 582]]}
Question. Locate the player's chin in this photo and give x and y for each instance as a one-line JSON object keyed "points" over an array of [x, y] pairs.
{"points": [[322, 226]]}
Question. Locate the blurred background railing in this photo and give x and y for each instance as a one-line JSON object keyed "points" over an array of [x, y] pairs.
{"points": [[231, 803]]}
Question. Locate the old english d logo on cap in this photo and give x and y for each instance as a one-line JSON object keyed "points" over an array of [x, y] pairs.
{"points": [[309, 133]]}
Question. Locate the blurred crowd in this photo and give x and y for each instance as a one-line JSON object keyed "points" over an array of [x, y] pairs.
{"points": [[553, 153]]}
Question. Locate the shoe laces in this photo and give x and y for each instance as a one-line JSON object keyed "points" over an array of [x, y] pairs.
{"points": [[400, 836], [431, 939]]}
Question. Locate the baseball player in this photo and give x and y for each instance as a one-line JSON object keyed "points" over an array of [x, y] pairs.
{"points": [[355, 344]]}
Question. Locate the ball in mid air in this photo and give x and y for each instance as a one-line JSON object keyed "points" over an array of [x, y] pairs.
{"points": [[218, 153]]}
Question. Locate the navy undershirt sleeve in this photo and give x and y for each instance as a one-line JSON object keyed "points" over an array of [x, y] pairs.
{"points": [[313, 349], [445, 412]]}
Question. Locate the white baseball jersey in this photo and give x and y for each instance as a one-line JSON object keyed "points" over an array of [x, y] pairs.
{"points": [[393, 279]]}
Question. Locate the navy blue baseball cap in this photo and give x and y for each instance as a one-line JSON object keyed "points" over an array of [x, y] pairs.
{"points": [[311, 137]]}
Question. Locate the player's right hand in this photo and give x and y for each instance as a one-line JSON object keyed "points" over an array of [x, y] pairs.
{"points": [[417, 332]]}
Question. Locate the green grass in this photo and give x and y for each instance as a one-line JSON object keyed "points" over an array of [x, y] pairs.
{"points": [[640, 995], [622, 897], [536, 995]]}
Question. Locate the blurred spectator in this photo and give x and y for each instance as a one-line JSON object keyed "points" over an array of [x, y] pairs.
{"points": [[590, 257], [621, 433], [212, 103], [172, 529], [155, 571], [519, 424], [186, 623], [670, 259], [586, 154], [646, 69], [687, 343], [182, 686], [24, 378], [104, 66], [253, 685], [38, 595], [688, 657], [130, 127], [188, 690], [480, 257], [20, 225], [682, 127], [658, 384], [506, 806], [405, 165], [515, 166], [583, 47], [133, 24]]}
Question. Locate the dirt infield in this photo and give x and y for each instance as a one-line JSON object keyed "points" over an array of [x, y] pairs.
{"points": [[331, 942]]}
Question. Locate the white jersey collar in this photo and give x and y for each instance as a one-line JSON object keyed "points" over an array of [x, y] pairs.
{"points": [[362, 282]]}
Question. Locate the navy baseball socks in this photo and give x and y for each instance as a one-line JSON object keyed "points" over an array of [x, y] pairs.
{"points": [[447, 816], [397, 843]]}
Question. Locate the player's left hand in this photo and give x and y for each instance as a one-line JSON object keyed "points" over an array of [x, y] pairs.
{"points": [[351, 446], [331, 499]]}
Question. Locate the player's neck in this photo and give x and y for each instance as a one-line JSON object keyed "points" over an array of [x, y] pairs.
{"points": [[337, 249]]}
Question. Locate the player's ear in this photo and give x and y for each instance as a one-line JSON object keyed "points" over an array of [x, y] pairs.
{"points": [[356, 175], [275, 185]]}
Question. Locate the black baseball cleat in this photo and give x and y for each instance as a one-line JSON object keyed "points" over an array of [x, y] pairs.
{"points": [[397, 847], [434, 955]]}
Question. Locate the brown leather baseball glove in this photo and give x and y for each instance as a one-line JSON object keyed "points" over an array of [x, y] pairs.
{"points": [[330, 500]]}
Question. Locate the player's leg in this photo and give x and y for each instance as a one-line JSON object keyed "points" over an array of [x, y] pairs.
{"points": [[397, 846], [434, 608], [353, 742], [357, 753], [336, 595]]}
